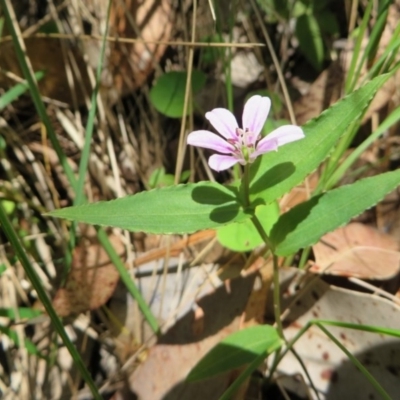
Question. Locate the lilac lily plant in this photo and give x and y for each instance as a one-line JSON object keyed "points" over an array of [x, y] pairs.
{"points": [[242, 145]]}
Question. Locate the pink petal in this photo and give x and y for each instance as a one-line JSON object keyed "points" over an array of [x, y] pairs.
{"points": [[255, 113], [219, 162], [286, 134], [209, 140], [264, 146], [223, 121]]}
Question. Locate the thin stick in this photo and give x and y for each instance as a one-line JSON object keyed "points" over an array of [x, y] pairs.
{"points": [[188, 94], [114, 39], [276, 63]]}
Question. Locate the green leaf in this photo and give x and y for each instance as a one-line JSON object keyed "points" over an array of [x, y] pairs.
{"points": [[275, 173], [327, 22], [49, 27], [310, 40], [319, 5], [16, 91], [159, 178], [304, 224], [299, 8], [1, 26], [275, 10], [28, 345], [9, 206], [374, 37], [2, 268], [23, 312], [177, 209], [243, 236], [168, 94], [237, 349]]}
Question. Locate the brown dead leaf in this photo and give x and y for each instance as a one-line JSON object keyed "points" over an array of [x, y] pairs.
{"points": [[91, 281], [149, 20], [55, 82], [300, 193], [357, 250], [127, 65]]}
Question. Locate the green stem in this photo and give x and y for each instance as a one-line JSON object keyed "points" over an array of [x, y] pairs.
{"points": [[277, 298], [245, 185], [261, 231], [383, 394], [289, 347], [277, 295], [304, 257], [245, 188]]}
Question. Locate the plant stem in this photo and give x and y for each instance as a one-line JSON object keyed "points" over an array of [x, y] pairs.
{"points": [[277, 295], [246, 185], [245, 188]]}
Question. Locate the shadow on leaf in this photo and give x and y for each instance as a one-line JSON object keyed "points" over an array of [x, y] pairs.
{"points": [[271, 177], [224, 200], [289, 221]]}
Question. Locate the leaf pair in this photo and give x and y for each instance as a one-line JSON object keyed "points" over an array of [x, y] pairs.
{"points": [[192, 207]]}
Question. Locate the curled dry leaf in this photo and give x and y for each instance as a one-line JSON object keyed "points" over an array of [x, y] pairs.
{"points": [[357, 250], [91, 281]]}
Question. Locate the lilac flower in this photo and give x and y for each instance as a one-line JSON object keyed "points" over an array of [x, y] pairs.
{"points": [[242, 145]]}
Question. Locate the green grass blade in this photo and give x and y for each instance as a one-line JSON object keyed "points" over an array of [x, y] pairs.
{"points": [[363, 370], [332, 164], [366, 328], [16, 91], [83, 165], [23, 313], [57, 324], [393, 118], [30, 78], [28, 345], [352, 76], [276, 173], [377, 30], [373, 39], [379, 330], [41, 110], [127, 280], [387, 57]]}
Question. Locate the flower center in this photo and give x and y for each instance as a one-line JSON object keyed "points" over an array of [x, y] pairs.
{"points": [[244, 145]]}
